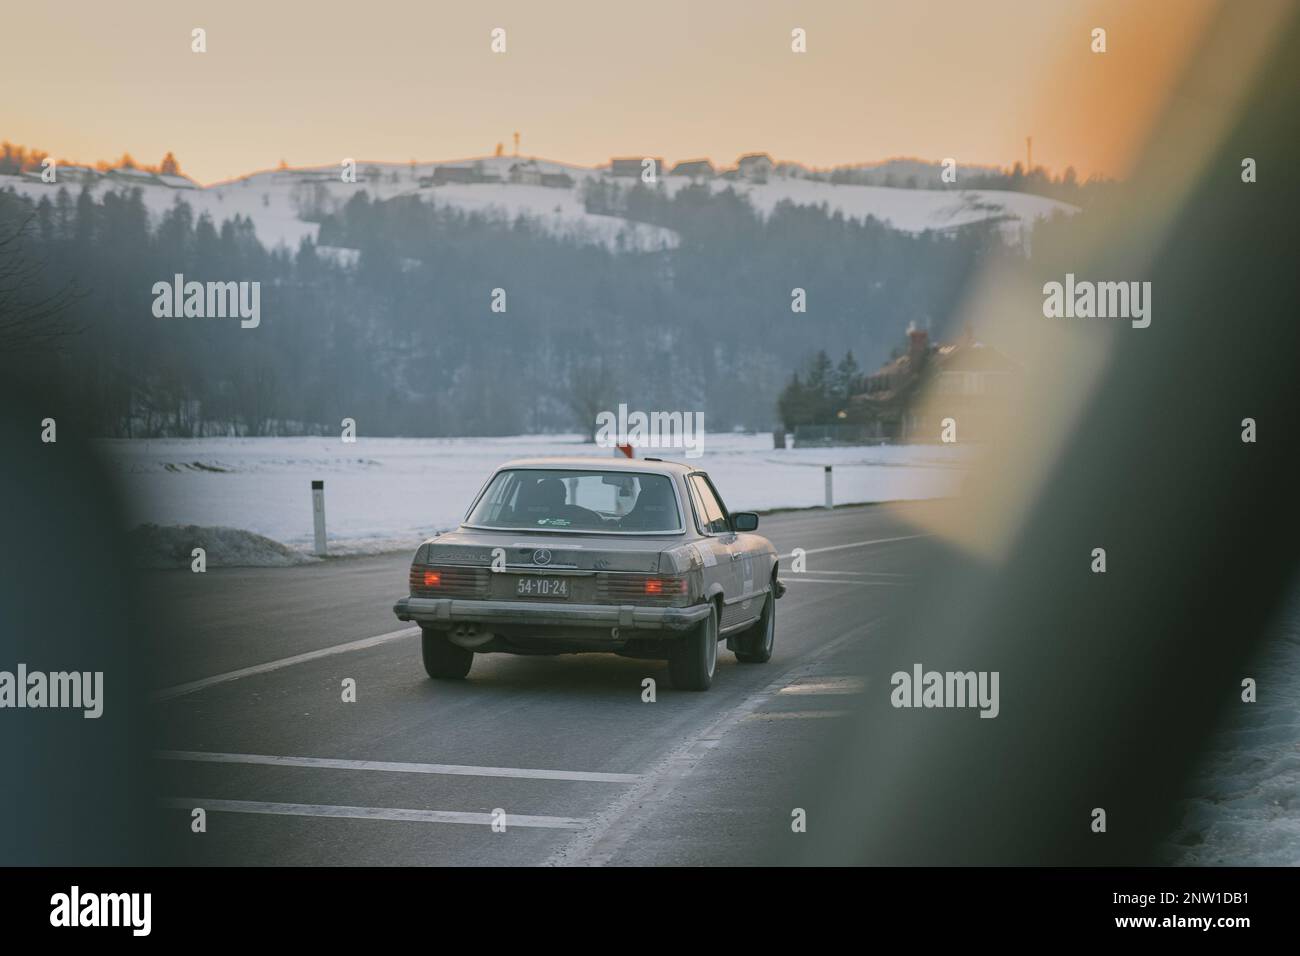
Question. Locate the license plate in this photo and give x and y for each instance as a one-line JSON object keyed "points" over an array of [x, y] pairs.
{"points": [[542, 587]]}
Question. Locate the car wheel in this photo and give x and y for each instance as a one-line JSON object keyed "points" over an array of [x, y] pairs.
{"points": [[756, 644], [695, 657], [443, 659]]}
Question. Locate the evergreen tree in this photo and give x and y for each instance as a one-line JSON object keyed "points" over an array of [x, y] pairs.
{"points": [[847, 377]]}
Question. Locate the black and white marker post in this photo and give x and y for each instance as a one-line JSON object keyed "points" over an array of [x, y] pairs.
{"points": [[318, 511], [830, 500]]}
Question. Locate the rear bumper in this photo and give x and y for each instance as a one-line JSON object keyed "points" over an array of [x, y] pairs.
{"points": [[625, 616]]}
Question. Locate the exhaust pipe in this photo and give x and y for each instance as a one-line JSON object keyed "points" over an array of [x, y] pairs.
{"points": [[469, 636]]}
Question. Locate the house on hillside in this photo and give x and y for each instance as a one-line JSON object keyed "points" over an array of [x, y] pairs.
{"points": [[526, 173], [316, 176], [696, 169], [75, 173], [632, 168], [454, 174], [135, 176], [908, 398], [755, 167]]}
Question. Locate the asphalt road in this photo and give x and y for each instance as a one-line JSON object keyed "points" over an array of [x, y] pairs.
{"points": [[253, 727]]}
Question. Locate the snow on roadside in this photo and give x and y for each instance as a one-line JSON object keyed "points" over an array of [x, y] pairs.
{"points": [[384, 494], [1244, 808], [173, 547]]}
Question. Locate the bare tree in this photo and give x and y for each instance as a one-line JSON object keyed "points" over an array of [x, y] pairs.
{"points": [[591, 391]]}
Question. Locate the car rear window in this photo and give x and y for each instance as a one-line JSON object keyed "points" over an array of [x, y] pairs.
{"points": [[575, 500]]}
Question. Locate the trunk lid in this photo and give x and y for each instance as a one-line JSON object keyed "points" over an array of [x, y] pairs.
{"points": [[560, 552]]}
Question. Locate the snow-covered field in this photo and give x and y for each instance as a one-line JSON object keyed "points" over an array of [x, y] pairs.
{"points": [[389, 493], [275, 200]]}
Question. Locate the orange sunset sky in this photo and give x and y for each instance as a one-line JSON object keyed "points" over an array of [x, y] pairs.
{"points": [[312, 83]]}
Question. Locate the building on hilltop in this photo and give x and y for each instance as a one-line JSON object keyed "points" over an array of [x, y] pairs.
{"points": [[633, 167], [908, 397], [455, 174], [696, 169], [525, 173], [755, 167]]}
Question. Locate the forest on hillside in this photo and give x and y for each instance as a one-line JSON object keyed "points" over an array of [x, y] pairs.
{"points": [[405, 341]]}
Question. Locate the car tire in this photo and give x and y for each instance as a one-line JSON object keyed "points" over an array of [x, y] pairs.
{"points": [[443, 660], [695, 658], [755, 645]]}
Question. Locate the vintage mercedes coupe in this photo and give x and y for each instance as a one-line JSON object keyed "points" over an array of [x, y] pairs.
{"points": [[638, 557]]}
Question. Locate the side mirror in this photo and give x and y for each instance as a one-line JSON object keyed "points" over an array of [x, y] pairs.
{"points": [[744, 521]]}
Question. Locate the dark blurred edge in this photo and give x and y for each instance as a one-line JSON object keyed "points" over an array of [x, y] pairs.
{"points": [[75, 790], [1110, 683]]}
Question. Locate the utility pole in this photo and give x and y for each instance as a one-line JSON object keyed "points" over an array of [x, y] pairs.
{"points": [[1029, 155], [516, 143]]}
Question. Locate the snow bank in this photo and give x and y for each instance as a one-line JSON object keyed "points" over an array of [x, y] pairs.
{"points": [[1245, 803], [384, 494], [154, 546]]}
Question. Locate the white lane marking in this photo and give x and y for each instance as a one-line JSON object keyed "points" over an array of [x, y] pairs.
{"points": [[371, 813], [870, 574], [800, 579], [859, 544], [180, 690], [826, 685], [329, 763], [611, 829], [796, 714]]}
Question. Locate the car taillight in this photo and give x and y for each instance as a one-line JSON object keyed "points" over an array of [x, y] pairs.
{"points": [[617, 587], [665, 586], [451, 581], [422, 578]]}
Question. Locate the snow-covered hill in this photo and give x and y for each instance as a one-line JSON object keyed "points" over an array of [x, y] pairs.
{"points": [[547, 192]]}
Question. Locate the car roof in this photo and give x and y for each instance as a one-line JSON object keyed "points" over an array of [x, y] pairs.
{"points": [[593, 463]]}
